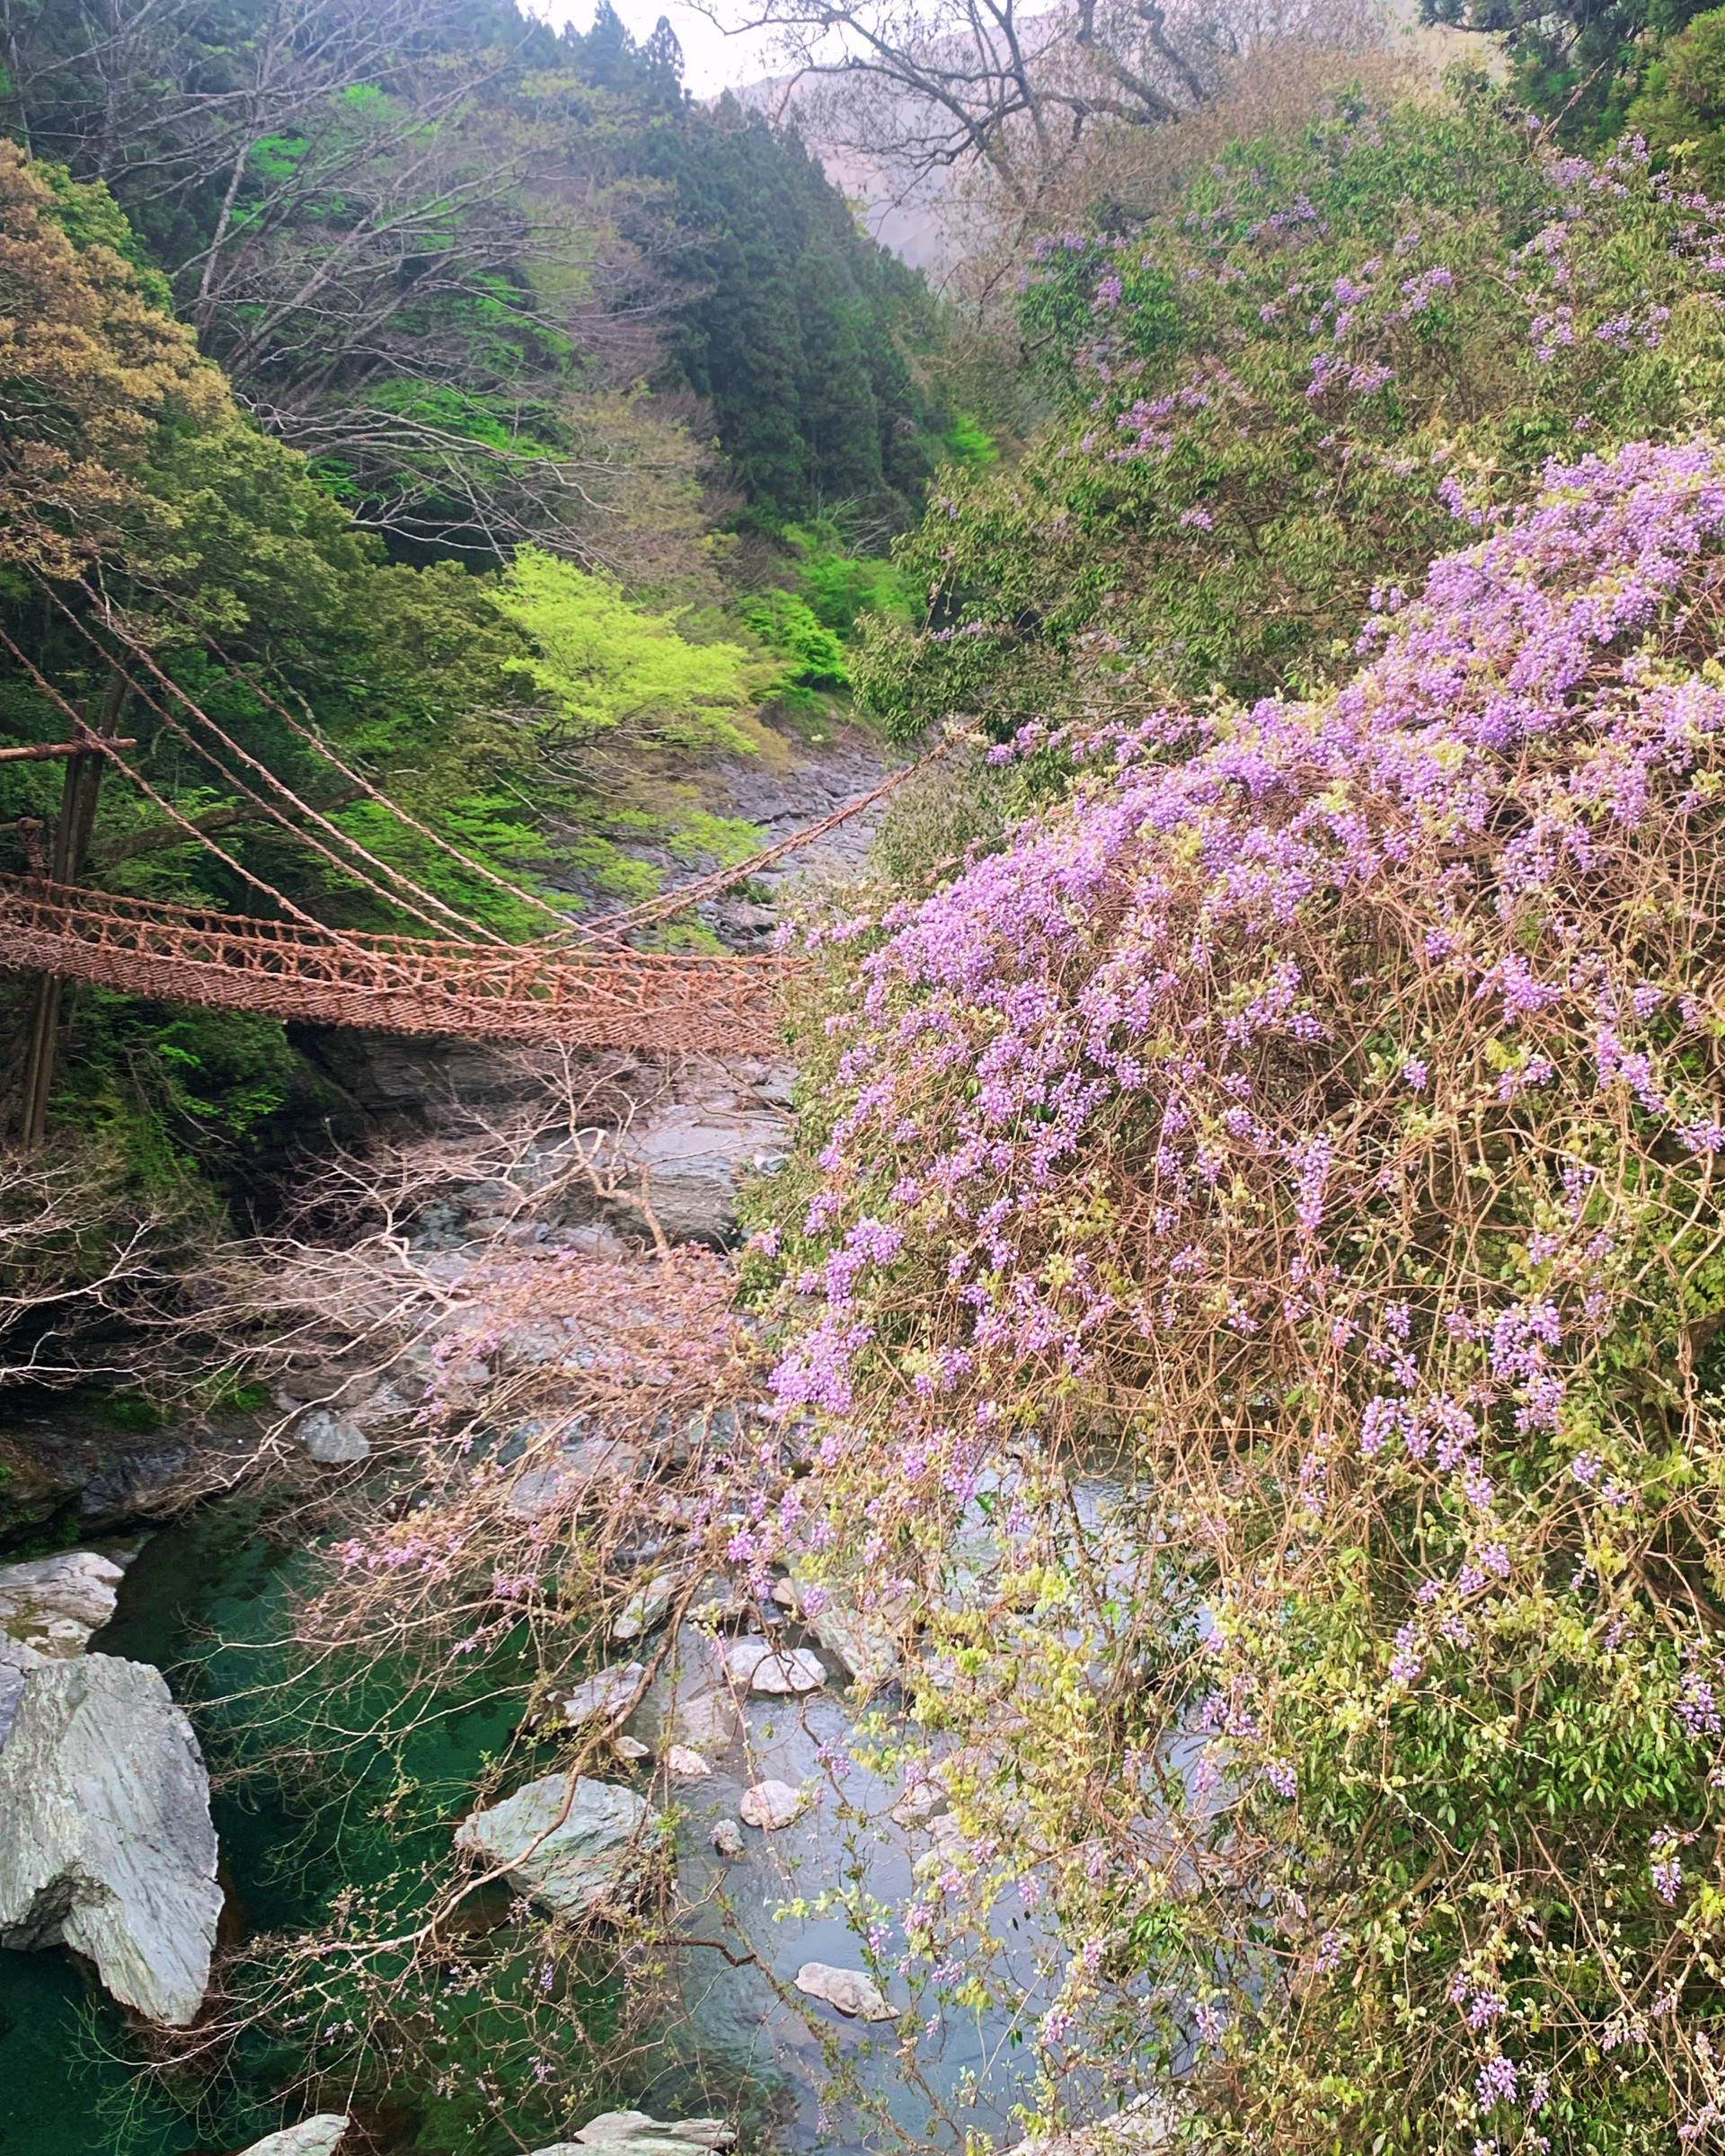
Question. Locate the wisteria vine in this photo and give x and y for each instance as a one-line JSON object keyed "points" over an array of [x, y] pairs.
{"points": [[1319, 1110]]}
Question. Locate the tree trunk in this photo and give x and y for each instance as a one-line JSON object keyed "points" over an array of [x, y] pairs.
{"points": [[77, 821]]}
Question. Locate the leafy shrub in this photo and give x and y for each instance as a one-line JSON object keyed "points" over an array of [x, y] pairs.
{"points": [[1317, 1119], [607, 668], [787, 624], [1280, 386], [838, 586]]}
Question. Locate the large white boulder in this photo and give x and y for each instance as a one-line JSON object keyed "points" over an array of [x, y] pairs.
{"points": [[646, 1607], [633, 2134], [572, 1846], [106, 1844], [49, 1608], [316, 2137], [773, 1803]]}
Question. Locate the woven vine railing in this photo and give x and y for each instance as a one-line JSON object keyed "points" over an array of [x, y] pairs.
{"points": [[622, 999]]}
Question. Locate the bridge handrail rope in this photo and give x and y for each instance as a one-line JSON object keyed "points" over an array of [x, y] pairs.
{"points": [[672, 902], [608, 928], [315, 741], [675, 999], [585, 986]]}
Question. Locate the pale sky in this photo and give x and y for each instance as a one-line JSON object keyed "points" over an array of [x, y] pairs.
{"points": [[712, 59]]}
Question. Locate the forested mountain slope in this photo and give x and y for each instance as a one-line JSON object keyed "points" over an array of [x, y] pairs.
{"points": [[436, 248], [547, 429]]}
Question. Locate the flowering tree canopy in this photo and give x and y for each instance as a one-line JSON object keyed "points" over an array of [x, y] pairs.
{"points": [[1319, 1110], [1271, 391]]}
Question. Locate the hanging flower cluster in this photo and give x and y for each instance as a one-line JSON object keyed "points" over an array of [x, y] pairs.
{"points": [[1321, 1108]]}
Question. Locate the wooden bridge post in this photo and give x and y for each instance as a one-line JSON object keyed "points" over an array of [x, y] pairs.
{"points": [[71, 834]]}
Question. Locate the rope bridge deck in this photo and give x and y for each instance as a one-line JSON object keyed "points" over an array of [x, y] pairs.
{"points": [[601, 999]]}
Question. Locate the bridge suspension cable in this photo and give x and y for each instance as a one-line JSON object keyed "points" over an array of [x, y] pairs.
{"points": [[313, 740], [419, 897]]}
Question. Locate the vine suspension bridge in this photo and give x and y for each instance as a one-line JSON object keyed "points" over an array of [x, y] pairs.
{"points": [[599, 997], [583, 985], [587, 989]]}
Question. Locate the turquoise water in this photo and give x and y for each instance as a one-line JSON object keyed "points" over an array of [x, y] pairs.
{"points": [[69, 2078], [73, 2082]]}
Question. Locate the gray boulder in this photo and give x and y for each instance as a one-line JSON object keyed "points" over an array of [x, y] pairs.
{"points": [[106, 1844], [49, 1608], [867, 1648], [311, 2137], [573, 1847], [606, 1696], [331, 1439], [633, 2134], [758, 1666], [686, 1707], [686, 1157], [561, 1481], [646, 1607], [1151, 2125], [773, 1803], [852, 1992]]}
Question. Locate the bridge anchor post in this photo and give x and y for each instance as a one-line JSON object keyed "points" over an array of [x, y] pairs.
{"points": [[72, 834]]}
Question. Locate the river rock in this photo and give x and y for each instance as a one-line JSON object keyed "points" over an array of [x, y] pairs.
{"points": [[686, 1764], [684, 1157], [851, 1991], [572, 1851], [563, 1481], [681, 1709], [311, 2137], [331, 1440], [606, 1696], [717, 1601], [772, 1804], [726, 1838], [865, 1646], [49, 1608], [646, 1607], [758, 1666], [106, 1844], [633, 2134], [1152, 2123]]}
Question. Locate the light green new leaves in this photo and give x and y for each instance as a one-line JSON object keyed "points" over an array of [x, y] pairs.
{"points": [[607, 667]]}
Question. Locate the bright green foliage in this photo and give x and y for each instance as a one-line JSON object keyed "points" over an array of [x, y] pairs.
{"points": [[842, 587], [967, 441], [786, 623], [1328, 334], [607, 668]]}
